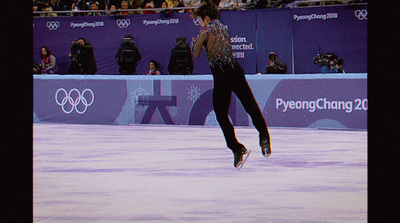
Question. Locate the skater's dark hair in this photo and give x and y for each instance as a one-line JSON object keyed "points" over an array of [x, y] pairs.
{"points": [[207, 8]]}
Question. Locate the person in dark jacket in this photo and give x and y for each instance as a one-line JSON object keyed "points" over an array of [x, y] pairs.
{"points": [[127, 56], [181, 61], [274, 65], [82, 56]]}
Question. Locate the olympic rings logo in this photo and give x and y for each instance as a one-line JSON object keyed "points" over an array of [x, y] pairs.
{"points": [[80, 99], [361, 14], [123, 23], [53, 25]]}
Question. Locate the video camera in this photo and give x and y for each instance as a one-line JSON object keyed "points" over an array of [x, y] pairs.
{"points": [[75, 46], [323, 59]]}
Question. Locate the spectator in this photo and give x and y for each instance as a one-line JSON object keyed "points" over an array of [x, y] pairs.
{"points": [[106, 4], [169, 3], [48, 63], [274, 65], [177, 3], [194, 3], [59, 5], [94, 6], [127, 56], [154, 68], [165, 7], [77, 5], [181, 61], [125, 5], [131, 4], [112, 11], [149, 4], [82, 57], [49, 8]]}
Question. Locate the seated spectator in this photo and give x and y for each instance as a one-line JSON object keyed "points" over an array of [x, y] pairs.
{"points": [[154, 68], [94, 6], [170, 3], [59, 5], [149, 4], [177, 3], [48, 62], [125, 5], [48, 8], [193, 3], [181, 61], [165, 6], [274, 65], [113, 10], [77, 5]]}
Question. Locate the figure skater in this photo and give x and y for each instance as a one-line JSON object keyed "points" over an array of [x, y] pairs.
{"points": [[228, 77]]}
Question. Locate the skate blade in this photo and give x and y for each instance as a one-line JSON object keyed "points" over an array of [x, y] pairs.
{"points": [[241, 163], [267, 155]]}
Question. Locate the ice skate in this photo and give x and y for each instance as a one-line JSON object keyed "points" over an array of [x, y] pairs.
{"points": [[265, 147], [238, 158]]}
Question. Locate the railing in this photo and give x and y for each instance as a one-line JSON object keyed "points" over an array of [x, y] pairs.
{"points": [[112, 12], [236, 6]]}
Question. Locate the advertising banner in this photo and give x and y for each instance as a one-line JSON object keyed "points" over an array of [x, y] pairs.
{"points": [[78, 101], [341, 30], [187, 100], [296, 35], [154, 35], [274, 34]]}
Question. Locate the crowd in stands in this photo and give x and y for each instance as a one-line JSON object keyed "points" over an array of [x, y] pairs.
{"points": [[119, 7]]}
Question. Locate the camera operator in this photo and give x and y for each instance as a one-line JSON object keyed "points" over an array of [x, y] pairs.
{"points": [[82, 57], [331, 67], [127, 56], [274, 65], [181, 61], [340, 66]]}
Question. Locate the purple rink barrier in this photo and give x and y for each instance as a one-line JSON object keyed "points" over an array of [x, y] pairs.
{"points": [[296, 35], [312, 100]]}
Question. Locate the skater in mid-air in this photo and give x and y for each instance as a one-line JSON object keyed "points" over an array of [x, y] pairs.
{"points": [[228, 77]]}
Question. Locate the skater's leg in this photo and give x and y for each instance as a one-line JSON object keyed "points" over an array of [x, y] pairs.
{"points": [[246, 97], [221, 103]]}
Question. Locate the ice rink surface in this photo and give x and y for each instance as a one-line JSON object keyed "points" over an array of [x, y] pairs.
{"points": [[165, 173]]}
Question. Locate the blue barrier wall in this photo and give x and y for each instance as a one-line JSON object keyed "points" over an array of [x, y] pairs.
{"points": [[312, 100], [296, 35]]}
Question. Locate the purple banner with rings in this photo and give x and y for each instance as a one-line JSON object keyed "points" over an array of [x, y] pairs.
{"points": [[78, 101], [320, 101], [295, 35]]}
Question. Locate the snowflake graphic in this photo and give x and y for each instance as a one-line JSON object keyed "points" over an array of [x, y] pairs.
{"points": [[136, 96], [193, 93]]}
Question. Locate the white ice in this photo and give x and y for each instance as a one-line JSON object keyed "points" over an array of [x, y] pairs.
{"points": [[165, 173]]}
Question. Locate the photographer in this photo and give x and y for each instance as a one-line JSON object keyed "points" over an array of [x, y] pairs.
{"points": [[127, 56], [274, 65], [181, 61], [82, 57]]}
